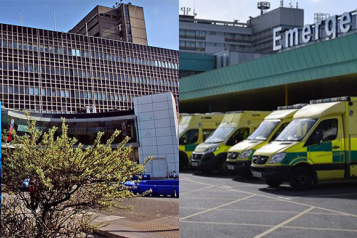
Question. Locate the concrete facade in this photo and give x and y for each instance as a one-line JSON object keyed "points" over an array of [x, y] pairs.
{"points": [[47, 71], [212, 36], [233, 42], [124, 23], [158, 133]]}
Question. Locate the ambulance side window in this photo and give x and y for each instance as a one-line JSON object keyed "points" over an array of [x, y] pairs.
{"points": [[189, 137], [325, 131], [207, 133], [237, 137], [279, 130]]}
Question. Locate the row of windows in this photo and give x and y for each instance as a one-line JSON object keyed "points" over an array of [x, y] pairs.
{"points": [[65, 109], [237, 36], [82, 73], [65, 105], [229, 37], [87, 54], [194, 44], [192, 34], [199, 33], [64, 93], [28, 33]]}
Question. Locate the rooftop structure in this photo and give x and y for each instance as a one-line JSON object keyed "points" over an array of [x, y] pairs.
{"points": [[124, 22]]}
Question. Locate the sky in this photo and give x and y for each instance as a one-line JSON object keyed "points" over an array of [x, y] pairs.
{"points": [[229, 10], [160, 16]]}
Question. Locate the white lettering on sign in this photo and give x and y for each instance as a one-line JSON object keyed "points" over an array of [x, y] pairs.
{"points": [[318, 29], [306, 34], [346, 22], [331, 27], [323, 29], [292, 37]]}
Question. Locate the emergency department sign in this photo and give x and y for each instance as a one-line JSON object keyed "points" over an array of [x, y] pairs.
{"points": [[332, 27]]}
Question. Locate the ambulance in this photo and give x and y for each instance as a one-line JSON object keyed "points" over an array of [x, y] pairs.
{"points": [[181, 115], [193, 130], [235, 127], [240, 155], [319, 144]]}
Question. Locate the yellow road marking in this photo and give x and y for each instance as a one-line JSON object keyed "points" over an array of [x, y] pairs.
{"points": [[284, 223], [217, 207]]}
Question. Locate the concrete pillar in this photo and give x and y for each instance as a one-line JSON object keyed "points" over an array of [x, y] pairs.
{"points": [[286, 95]]}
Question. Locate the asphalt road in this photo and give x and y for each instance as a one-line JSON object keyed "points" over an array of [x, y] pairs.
{"points": [[231, 206]]}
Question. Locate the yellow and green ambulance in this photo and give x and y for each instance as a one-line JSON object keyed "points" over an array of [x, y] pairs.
{"points": [[240, 155], [193, 130], [319, 144], [181, 115], [235, 127]]}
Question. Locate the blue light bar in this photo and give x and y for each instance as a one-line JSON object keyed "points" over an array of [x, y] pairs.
{"points": [[336, 99], [295, 106]]}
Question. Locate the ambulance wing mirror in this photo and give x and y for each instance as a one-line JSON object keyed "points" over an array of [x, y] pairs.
{"points": [[182, 141]]}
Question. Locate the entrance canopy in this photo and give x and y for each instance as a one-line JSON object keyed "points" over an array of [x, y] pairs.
{"points": [[83, 126], [324, 69]]}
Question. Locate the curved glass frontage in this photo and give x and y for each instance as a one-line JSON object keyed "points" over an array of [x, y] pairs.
{"points": [[84, 127]]}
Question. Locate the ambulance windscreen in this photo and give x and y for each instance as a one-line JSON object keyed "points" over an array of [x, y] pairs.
{"points": [[219, 134], [296, 130], [264, 130]]}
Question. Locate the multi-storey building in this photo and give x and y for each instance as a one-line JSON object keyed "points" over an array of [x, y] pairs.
{"points": [[55, 72], [48, 72], [212, 36], [231, 42], [123, 22]]}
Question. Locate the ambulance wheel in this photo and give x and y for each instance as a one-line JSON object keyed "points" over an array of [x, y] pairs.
{"points": [[300, 178], [221, 164], [274, 184]]}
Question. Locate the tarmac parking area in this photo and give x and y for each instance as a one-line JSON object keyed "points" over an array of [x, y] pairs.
{"points": [[231, 206]]}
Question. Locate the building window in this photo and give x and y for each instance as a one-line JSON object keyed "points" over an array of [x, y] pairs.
{"points": [[200, 34]]}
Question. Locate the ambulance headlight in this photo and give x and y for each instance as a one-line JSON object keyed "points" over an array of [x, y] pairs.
{"points": [[211, 150], [246, 154], [277, 158]]}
